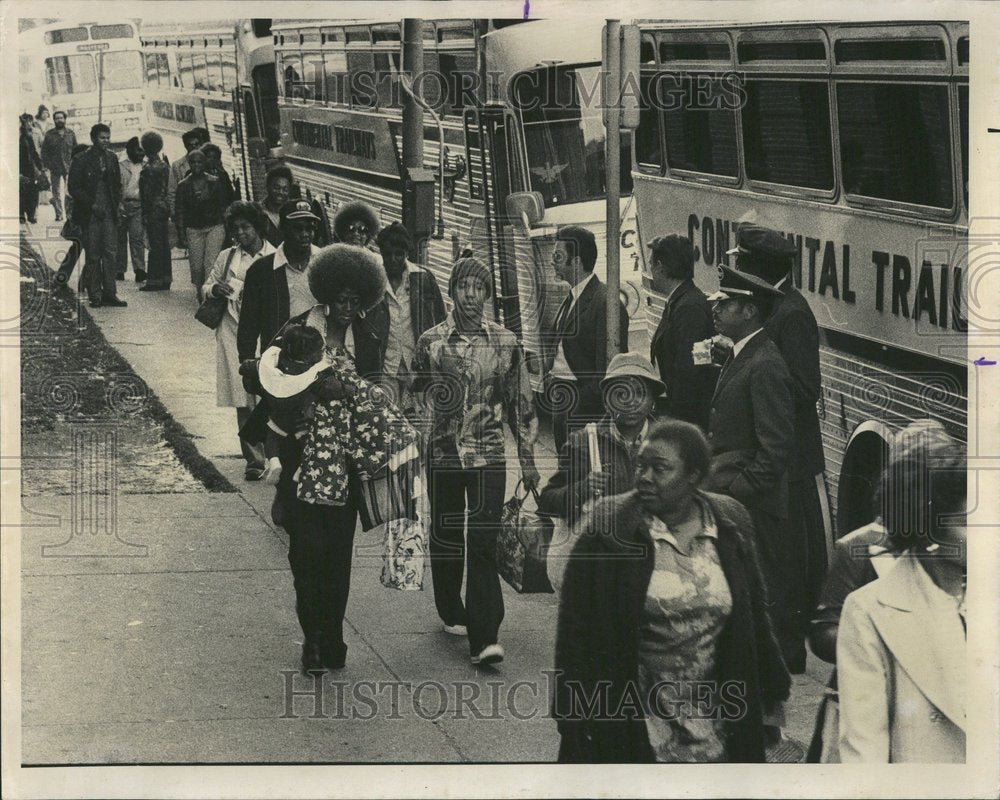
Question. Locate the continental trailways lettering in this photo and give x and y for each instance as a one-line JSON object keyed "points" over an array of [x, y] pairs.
{"points": [[346, 141], [824, 268]]}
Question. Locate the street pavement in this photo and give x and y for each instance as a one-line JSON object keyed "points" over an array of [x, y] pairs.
{"points": [[176, 639]]}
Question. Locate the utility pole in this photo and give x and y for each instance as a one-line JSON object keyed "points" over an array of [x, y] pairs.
{"points": [[413, 114], [612, 158]]}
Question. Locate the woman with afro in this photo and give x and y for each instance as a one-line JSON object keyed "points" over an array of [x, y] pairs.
{"points": [[356, 223], [346, 281]]}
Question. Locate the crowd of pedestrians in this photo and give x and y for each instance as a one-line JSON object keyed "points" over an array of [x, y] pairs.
{"points": [[690, 483]]}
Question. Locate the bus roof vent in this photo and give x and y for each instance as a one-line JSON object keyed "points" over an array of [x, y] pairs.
{"points": [[814, 50], [851, 50], [693, 51]]}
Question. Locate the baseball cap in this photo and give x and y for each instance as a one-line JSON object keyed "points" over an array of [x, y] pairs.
{"points": [[297, 209]]}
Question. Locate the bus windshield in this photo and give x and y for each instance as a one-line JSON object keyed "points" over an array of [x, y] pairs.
{"points": [[122, 70], [564, 134], [70, 74]]}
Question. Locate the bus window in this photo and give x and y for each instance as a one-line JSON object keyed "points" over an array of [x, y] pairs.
{"points": [[849, 50], [337, 79], [122, 69], [185, 70], [70, 74], [261, 27], [459, 71], [387, 80], [111, 32], [564, 134], [65, 35], [199, 71], [152, 69], [312, 72], [163, 67], [266, 88], [229, 79], [648, 147], [699, 125], [361, 67], [895, 142], [213, 72], [963, 127], [786, 133], [291, 65]]}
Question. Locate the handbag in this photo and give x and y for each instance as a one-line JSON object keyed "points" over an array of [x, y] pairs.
{"points": [[212, 308], [42, 182], [522, 545], [403, 555]]}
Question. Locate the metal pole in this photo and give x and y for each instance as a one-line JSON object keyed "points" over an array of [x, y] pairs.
{"points": [[413, 115], [100, 84], [612, 159]]}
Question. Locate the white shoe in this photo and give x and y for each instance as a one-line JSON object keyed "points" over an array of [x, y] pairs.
{"points": [[491, 654], [455, 630]]}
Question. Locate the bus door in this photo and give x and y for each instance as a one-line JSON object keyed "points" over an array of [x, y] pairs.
{"points": [[497, 168]]}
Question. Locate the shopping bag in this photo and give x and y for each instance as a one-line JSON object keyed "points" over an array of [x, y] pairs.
{"points": [[522, 545], [403, 555]]}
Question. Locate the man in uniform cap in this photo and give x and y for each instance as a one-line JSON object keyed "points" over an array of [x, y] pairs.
{"points": [[276, 287], [750, 432], [792, 327]]}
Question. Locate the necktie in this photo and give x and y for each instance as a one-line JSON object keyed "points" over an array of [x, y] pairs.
{"points": [[563, 313], [726, 364]]}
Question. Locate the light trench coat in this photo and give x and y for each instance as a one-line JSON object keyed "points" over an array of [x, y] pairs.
{"points": [[901, 666]]}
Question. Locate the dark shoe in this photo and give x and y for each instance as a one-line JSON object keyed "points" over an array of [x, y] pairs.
{"points": [[32, 221], [277, 512], [120, 276], [149, 286], [253, 473], [312, 662], [140, 276], [334, 656], [59, 218], [95, 304], [115, 302]]}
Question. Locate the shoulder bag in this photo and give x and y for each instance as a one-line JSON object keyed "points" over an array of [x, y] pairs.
{"points": [[212, 308]]}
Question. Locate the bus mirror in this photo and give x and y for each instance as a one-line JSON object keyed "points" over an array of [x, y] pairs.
{"points": [[529, 207], [630, 76]]}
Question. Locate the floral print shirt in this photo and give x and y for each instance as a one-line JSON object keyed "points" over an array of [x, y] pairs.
{"points": [[471, 384], [687, 604]]}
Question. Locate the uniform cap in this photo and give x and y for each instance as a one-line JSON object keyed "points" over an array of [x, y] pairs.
{"points": [[297, 209], [733, 283]]}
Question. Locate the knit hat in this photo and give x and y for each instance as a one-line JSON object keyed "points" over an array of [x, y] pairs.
{"points": [[465, 267]]}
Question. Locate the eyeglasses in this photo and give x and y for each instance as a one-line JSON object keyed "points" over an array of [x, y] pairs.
{"points": [[358, 227]]}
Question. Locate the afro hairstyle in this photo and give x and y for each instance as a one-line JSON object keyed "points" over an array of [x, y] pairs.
{"points": [[355, 210], [344, 266], [151, 143]]}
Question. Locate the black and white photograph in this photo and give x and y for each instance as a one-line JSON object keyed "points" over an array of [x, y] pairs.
{"points": [[413, 399]]}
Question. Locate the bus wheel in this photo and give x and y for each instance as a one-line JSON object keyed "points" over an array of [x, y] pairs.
{"points": [[865, 458]]}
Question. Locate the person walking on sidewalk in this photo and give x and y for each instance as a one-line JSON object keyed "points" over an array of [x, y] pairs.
{"points": [[178, 170], [57, 156], [245, 223], [277, 286], [154, 179], [473, 375], [198, 211], [661, 615], [72, 231], [131, 236], [95, 184], [30, 171]]}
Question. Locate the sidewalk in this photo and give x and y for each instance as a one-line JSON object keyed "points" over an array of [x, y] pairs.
{"points": [[188, 653]]}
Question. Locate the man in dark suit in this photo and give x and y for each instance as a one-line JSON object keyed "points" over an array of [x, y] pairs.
{"points": [[573, 380], [750, 431], [792, 327], [95, 185], [687, 318]]}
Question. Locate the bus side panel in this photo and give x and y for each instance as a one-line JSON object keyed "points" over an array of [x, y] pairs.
{"points": [[863, 275]]}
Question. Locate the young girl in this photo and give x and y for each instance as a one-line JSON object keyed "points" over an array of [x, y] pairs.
{"points": [[288, 379]]}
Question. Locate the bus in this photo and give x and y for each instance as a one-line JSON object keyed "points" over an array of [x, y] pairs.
{"points": [[545, 76], [340, 111], [482, 142], [852, 139], [218, 76], [91, 71]]}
